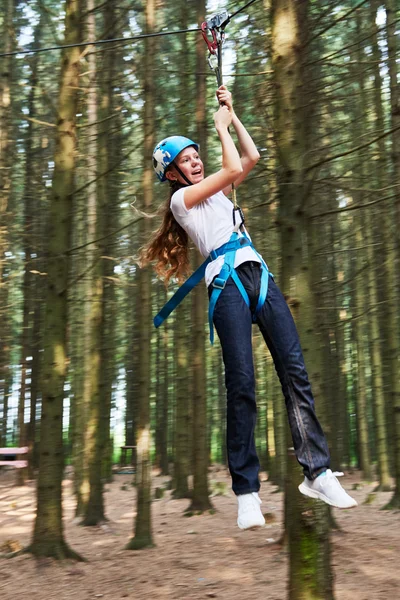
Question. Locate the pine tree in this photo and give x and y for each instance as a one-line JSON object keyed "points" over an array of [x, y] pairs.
{"points": [[48, 536], [143, 533]]}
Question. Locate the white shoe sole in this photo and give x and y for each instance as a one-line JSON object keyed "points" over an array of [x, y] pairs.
{"points": [[319, 496], [251, 527]]}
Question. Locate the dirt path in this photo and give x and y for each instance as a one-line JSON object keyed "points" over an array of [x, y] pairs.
{"points": [[195, 558]]}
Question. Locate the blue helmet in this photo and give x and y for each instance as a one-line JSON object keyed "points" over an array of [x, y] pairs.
{"points": [[167, 150]]}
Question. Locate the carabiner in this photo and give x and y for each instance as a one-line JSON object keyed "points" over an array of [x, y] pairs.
{"points": [[238, 225], [216, 24], [212, 44]]}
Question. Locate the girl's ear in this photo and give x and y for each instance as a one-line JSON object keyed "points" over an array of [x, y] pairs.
{"points": [[171, 176]]}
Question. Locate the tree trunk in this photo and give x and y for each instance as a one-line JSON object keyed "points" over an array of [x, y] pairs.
{"points": [[48, 536], [143, 533], [5, 122], [308, 537], [292, 125], [164, 462], [361, 396], [101, 311], [6, 152], [200, 499], [393, 46], [182, 456], [81, 300], [27, 434], [132, 364], [370, 299]]}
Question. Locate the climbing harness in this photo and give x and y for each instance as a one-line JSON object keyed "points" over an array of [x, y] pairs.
{"points": [[216, 25], [227, 250]]}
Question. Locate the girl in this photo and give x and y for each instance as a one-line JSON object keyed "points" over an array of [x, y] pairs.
{"points": [[198, 207]]}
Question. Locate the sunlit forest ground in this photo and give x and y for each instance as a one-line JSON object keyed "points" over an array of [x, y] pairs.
{"points": [[196, 557]]}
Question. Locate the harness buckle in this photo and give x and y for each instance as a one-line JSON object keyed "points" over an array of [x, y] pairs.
{"points": [[219, 283]]}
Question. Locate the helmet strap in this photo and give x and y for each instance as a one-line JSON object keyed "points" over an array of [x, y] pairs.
{"points": [[182, 174]]}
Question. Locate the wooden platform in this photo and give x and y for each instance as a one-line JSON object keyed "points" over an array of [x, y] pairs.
{"points": [[17, 464]]}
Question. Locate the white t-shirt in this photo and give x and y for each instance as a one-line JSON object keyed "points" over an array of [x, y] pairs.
{"points": [[209, 224]]}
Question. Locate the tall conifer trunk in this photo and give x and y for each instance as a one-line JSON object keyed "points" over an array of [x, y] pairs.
{"points": [[307, 523], [200, 499], [27, 435], [48, 536], [7, 43], [182, 462], [370, 295], [143, 536], [182, 458], [393, 49], [5, 122], [361, 394], [84, 262], [101, 337]]}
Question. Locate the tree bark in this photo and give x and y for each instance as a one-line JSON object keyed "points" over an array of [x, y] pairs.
{"points": [[393, 47], [101, 305], [81, 295], [27, 433], [182, 414], [48, 536], [143, 532], [293, 106], [308, 537], [200, 499], [370, 300], [6, 153]]}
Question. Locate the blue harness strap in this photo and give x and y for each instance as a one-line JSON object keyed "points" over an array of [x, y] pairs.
{"points": [[181, 293], [229, 250], [227, 271]]}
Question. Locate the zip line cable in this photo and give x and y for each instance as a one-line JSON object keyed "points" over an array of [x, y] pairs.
{"points": [[114, 40], [81, 44], [240, 9]]}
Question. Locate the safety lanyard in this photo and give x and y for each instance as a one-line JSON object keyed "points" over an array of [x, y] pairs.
{"points": [[216, 25]]}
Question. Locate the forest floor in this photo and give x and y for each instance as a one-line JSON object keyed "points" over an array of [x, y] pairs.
{"points": [[196, 557]]}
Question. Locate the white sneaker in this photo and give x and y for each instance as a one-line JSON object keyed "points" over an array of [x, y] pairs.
{"points": [[249, 511], [327, 488]]}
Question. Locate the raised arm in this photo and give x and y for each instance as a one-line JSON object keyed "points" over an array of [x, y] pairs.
{"points": [[249, 154], [231, 163]]}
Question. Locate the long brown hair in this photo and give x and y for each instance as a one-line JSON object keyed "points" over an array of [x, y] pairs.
{"points": [[168, 247]]}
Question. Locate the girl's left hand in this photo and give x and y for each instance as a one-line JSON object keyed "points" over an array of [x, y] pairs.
{"points": [[225, 97]]}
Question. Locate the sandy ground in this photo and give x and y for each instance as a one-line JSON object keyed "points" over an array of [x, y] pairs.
{"points": [[195, 557]]}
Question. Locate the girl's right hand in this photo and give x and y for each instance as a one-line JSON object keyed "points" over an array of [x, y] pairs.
{"points": [[222, 118]]}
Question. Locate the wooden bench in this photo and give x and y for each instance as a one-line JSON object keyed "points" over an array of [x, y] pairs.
{"points": [[122, 460], [17, 464]]}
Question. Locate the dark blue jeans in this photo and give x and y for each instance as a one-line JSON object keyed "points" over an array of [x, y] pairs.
{"points": [[233, 322]]}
